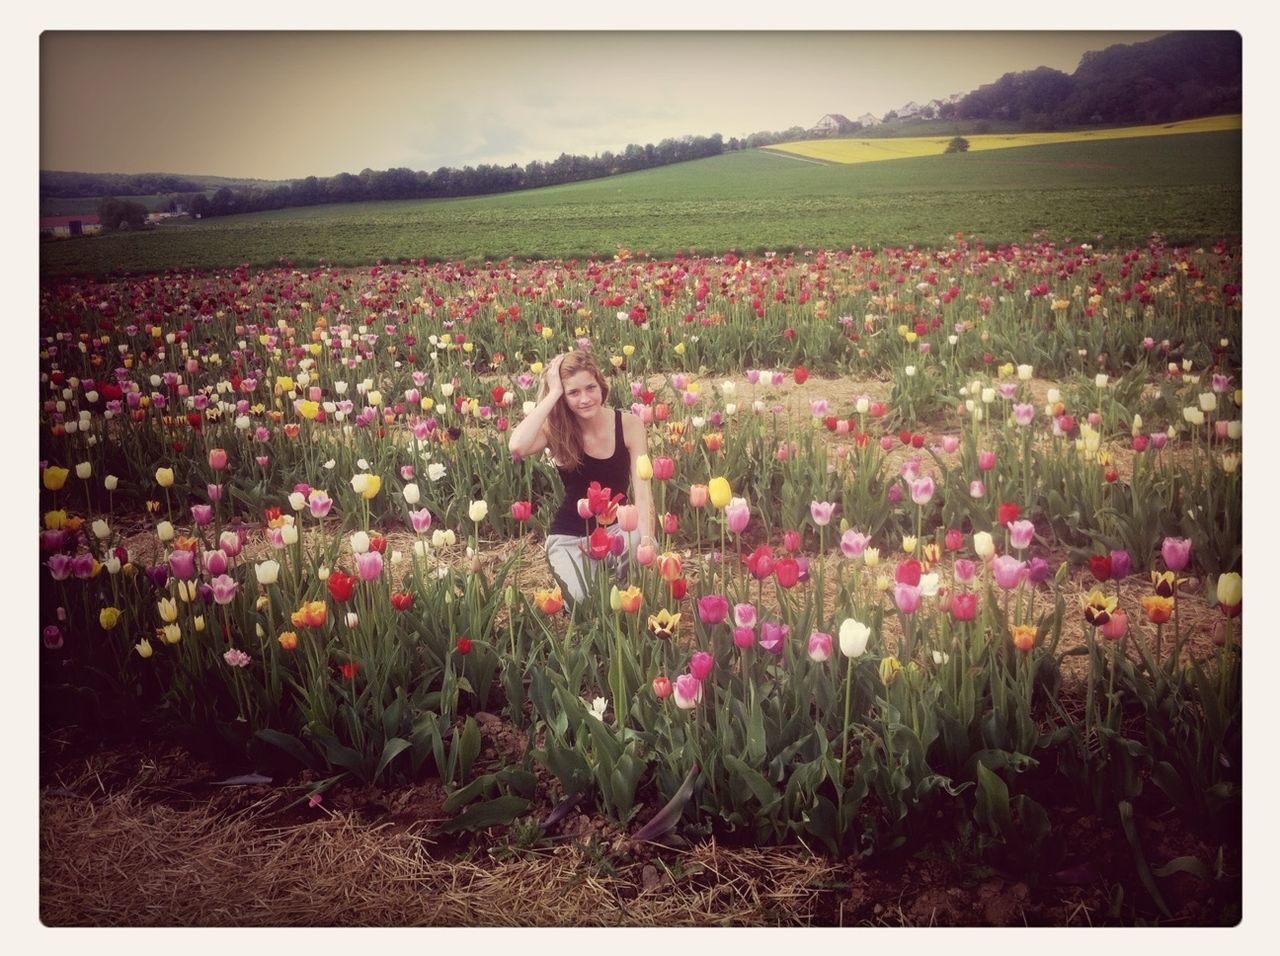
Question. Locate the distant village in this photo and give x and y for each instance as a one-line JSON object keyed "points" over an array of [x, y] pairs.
{"points": [[837, 124]]}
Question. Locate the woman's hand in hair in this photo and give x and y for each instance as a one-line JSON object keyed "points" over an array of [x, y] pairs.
{"points": [[551, 376]]}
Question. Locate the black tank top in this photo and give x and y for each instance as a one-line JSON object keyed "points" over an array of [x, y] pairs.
{"points": [[613, 472]]}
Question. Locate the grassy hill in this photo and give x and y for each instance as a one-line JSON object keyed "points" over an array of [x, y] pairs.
{"points": [[1186, 187]]}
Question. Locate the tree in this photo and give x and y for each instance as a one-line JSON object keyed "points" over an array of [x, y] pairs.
{"points": [[958, 145], [121, 214]]}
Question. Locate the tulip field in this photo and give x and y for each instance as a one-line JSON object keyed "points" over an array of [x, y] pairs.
{"points": [[948, 559]]}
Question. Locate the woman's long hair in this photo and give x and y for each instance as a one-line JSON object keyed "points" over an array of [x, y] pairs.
{"points": [[564, 434]]}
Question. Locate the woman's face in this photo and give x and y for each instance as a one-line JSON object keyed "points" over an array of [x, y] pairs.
{"points": [[582, 394]]}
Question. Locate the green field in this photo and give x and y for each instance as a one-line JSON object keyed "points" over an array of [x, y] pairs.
{"points": [[1188, 188]]}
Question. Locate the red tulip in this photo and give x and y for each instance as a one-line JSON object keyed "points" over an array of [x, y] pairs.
{"points": [[787, 571], [1100, 566], [598, 545], [402, 600], [1007, 514], [521, 510], [464, 646], [801, 374], [908, 572], [341, 585], [760, 562]]}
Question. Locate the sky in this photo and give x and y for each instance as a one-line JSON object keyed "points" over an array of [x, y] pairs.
{"points": [[283, 105]]}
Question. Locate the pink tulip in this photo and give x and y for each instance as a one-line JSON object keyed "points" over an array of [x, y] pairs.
{"points": [[201, 514], [224, 588], [712, 609], [986, 460], [663, 469], [1009, 571], [977, 489], [744, 637], [821, 512], [421, 520], [853, 543], [698, 496], [950, 444], [215, 562], [646, 553], [922, 490], [737, 516], [966, 571], [906, 597], [819, 646], [791, 541], [1021, 533], [1023, 414], [584, 509], [628, 515], [369, 565], [688, 692], [217, 459], [701, 664], [744, 615]]}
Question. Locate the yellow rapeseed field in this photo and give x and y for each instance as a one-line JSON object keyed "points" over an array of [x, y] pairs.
{"points": [[853, 150]]}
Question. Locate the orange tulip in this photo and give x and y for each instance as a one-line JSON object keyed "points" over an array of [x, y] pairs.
{"points": [[1159, 609]]}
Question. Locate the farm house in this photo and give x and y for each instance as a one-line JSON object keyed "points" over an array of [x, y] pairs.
{"points": [[58, 227]]}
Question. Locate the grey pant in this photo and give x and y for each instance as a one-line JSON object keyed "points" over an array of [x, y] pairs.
{"points": [[573, 568]]}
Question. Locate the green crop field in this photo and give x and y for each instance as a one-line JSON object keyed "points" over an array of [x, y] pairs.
{"points": [[1188, 188]]}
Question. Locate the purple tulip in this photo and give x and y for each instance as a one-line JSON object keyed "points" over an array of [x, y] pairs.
{"points": [[182, 564], [60, 566], [82, 566], [204, 593], [158, 575], [895, 494], [1176, 553], [1038, 570], [966, 571], [1120, 564], [52, 636], [773, 636]]}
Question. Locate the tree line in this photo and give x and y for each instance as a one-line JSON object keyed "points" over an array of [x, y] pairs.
{"points": [[1174, 77]]}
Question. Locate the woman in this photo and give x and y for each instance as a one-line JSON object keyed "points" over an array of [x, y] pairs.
{"points": [[590, 442]]}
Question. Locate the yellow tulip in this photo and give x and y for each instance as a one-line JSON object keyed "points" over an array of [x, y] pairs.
{"points": [[308, 409], [644, 468], [720, 493], [54, 477], [55, 520], [1230, 589], [143, 648], [164, 477], [168, 610], [109, 617], [372, 487]]}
